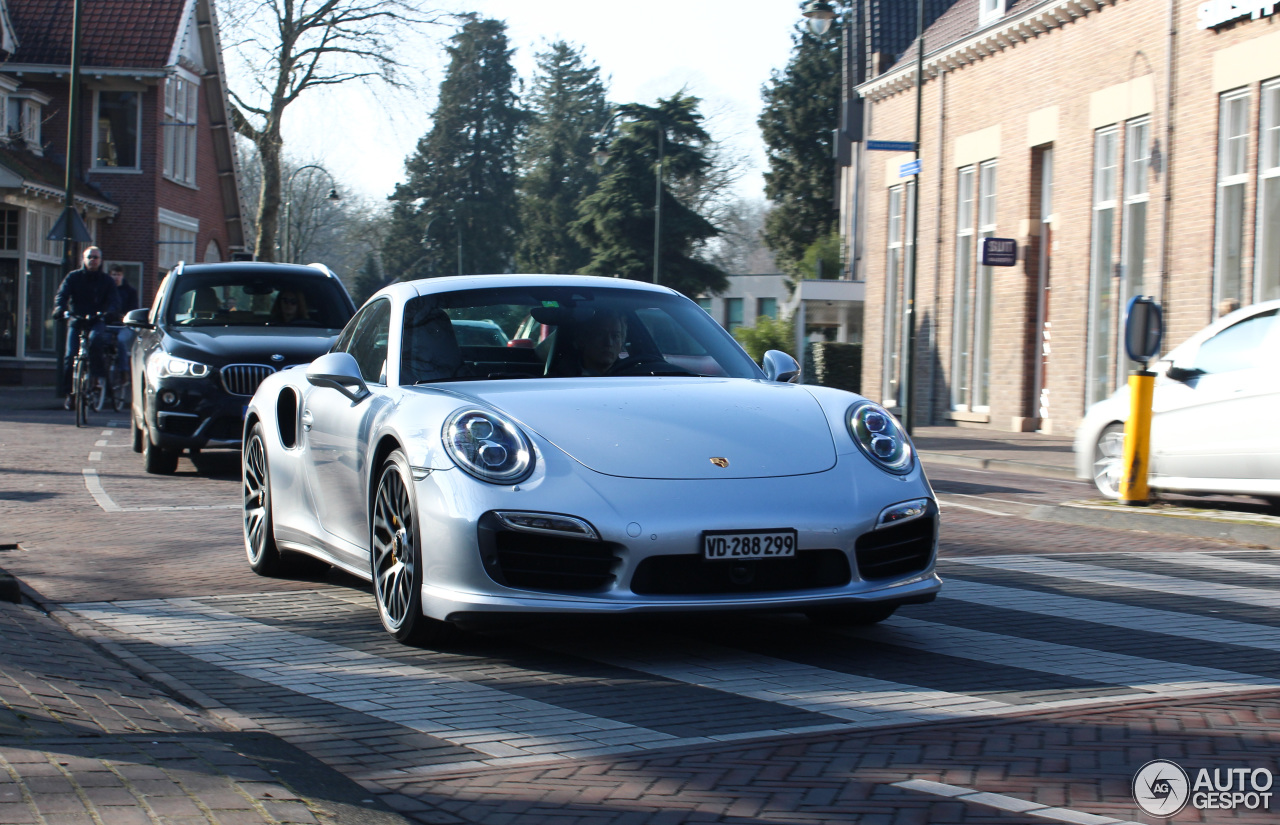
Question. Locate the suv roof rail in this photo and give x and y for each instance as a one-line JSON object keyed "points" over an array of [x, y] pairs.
{"points": [[326, 270]]}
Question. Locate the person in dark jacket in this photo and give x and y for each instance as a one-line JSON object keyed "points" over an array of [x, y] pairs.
{"points": [[128, 301], [86, 292]]}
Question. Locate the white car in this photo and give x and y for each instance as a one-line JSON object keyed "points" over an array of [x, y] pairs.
{"points": [[1214, 425], [474, 482]]}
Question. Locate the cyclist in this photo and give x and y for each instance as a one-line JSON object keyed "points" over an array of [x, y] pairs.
{"points": [[123, 335], [86, 295]]}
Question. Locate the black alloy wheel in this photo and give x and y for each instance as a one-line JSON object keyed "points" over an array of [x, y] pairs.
{"points": [[396, 558], [259, 531]]}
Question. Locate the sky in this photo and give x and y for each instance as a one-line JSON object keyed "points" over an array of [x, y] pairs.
{"points": [[722, 52]]}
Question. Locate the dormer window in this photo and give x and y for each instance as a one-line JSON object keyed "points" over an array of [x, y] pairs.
{"points": [[25, 111], [990, 11]]}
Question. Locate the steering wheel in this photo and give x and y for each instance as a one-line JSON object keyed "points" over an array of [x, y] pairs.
{"points": [[646, 364]]}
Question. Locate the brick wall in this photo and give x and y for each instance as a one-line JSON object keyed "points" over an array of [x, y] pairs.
{"points": [[1062, 67]]}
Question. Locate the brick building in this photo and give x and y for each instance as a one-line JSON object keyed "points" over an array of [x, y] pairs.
{"points": [[1123, 144], [157, 178]]}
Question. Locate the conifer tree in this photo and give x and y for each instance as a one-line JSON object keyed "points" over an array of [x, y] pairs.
{"points": [[616, 222], [459, 199], [801, 102], [567, 108]]}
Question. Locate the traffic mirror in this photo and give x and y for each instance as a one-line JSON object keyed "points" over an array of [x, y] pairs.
{"points": [[1143, 329]]}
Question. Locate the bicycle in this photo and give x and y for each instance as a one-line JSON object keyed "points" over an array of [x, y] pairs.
{"points": [[82, 390], [118, 386]]}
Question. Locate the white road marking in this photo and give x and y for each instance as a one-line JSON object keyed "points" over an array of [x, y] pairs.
{"points": [[971, 507], [95, 456], [1094, 574], [1000, 500], [108, 505], [1008, 803], [1114, 614]]}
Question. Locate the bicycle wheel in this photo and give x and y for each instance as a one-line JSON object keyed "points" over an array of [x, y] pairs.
{"points": [[121, 392], [82, 397], [98, 397]]}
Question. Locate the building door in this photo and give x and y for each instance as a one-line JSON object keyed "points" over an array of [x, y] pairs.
{"points": [[1044, 285]]}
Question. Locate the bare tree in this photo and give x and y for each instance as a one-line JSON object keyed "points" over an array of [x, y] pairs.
{"points": [[290, 46]]}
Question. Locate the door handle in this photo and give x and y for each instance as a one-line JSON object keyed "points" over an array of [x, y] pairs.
{"points": [[306, 420]]}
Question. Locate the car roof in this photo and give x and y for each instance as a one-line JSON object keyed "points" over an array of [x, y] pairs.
{"points": [[264, 267], [454, 283]]}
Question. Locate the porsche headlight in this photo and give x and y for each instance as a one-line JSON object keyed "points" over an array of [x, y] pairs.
{"points": [[488, 446], [880, 437], [162, 365]]}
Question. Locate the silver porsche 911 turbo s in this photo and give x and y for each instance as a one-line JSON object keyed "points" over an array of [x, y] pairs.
{"points": [[620, 454]]}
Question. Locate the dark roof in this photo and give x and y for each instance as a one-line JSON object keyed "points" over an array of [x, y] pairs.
{"points": [[132, 34], [891, 26], [48, 171], [959, 21]]}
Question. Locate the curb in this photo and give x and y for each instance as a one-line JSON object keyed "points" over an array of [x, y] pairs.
{"points": [[1003, 465], [9, 589], [1168, 525]]}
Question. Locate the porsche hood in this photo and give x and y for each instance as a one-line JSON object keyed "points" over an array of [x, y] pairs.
{"points": [[677, 428]]}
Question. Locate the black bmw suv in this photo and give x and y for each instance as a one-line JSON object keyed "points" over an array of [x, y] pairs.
{"points": [[213, 333]]}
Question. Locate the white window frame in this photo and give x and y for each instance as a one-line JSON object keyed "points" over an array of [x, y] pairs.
{"points": [[895, 252], [1099, 379], [989, 11], [1136, 197], [1266, 284], [1233, 180], [178, 235], [181, 119], [984, 292], [962, 314], [137, 155]]}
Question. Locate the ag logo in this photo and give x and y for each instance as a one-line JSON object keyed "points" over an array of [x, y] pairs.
{"points": [[1161, 788]]}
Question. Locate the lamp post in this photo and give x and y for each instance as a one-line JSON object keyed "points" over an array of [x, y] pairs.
{"points": [[821, 15], [601, 155], [457, 222], [333, 196]]}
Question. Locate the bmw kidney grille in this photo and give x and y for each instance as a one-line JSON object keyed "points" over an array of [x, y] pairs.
{"points": [[243, 379]]}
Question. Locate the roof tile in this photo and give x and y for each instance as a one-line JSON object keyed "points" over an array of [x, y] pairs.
{"points": [[134, 34]]}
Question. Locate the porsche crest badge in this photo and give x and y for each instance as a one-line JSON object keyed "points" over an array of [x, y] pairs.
{"points": [[720, 462]]}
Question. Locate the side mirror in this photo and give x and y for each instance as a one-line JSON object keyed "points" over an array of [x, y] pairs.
{"points": [[1183, 374], [778, 366], [137, 318], [338, 371]]}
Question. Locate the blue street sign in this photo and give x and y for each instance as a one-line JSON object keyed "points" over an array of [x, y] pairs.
{"points": [[891, 145], [999, 252], [911, 167]]}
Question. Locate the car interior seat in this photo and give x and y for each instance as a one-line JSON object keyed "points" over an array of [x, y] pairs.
{"points": [[204, 302], [431, 352]]}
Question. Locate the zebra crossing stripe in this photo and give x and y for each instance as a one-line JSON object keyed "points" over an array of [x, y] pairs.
{"points": [[1148, 675], [1007, 803], [480, 718], [1211, 562], [1093, 574], [1114, 614]]}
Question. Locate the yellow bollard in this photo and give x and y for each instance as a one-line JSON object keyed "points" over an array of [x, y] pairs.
{"points": [[1137, 439]]}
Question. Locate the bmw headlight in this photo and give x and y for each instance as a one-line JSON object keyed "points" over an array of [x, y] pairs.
{"points": [[880, 437], [488, 446], [162, 365]]}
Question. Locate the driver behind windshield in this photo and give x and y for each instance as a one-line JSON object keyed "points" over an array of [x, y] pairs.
{"points": [[290, 306], [598, 341]]}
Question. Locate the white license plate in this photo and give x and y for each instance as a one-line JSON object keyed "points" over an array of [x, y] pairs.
{"points": [[749, 544]]}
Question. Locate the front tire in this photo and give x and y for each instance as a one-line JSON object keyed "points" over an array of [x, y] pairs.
{"points": [[396, 557], [259, 529], [1108, 461], [156, 459], [136, 432]]}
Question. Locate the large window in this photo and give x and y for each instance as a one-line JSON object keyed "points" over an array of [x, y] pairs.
{"points": [[1101, 291], [983, 290], [116, 136], [892, 290], [177, 239], [961, 351], [1233, 167], [180, 118], [1133, 223], [767, 308], [1267, 280], [732, 313]]}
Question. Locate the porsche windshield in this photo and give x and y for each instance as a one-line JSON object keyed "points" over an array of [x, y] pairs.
{"points": [[559, 332], [248, 299]]}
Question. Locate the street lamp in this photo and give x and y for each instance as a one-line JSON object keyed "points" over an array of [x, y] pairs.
{"points": [[601, 155], [821, 14], [457, 222], [333, 196]]}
